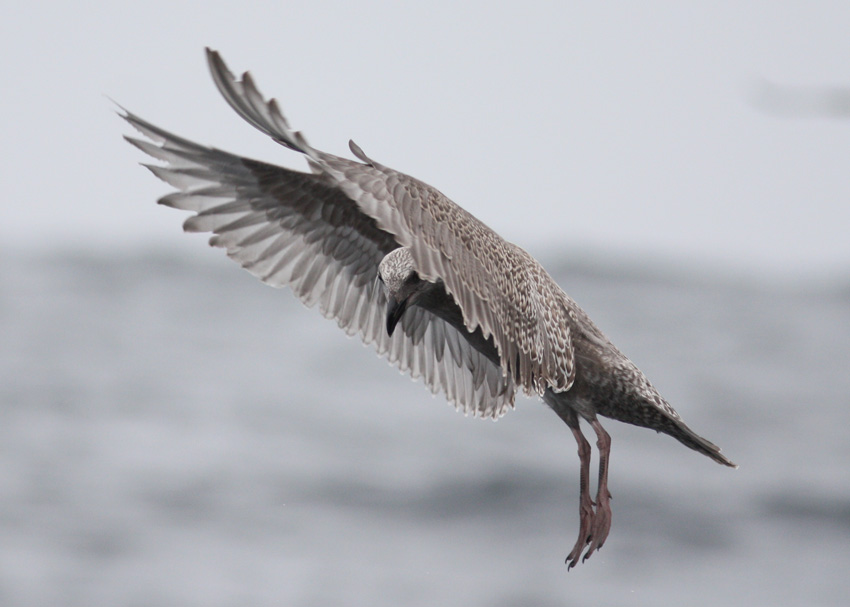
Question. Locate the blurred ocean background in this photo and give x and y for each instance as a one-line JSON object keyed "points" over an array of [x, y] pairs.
{"points": [[172, 432]]}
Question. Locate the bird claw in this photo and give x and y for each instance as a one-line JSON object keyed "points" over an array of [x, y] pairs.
{"points": [[585, 534], [574, 556], [593, 530]]}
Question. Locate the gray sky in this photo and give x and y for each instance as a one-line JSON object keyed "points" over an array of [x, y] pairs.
{"points": [[621, 127]]}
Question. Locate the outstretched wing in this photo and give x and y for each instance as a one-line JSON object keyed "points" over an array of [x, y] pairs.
{"points": [[296, 229], [498, 286]]}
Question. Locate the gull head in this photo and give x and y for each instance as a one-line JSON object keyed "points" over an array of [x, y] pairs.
{"points": [[402, 284]]}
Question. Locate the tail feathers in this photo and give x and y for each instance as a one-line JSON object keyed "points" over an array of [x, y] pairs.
{"points": [[689, 438]]}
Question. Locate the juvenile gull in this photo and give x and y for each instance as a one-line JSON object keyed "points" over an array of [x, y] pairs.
{"points": [[437, 292]]}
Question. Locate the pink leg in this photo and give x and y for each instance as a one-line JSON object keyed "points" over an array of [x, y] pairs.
{"points": [[586, 515], [602, 520]]}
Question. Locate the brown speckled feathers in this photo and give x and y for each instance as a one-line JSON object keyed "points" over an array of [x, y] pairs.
{"points": [[473, 315]]}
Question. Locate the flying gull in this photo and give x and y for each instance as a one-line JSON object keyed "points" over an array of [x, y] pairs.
{"points": [[433, 289]]}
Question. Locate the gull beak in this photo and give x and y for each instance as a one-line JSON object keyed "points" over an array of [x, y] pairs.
{"points": [[395, 310]]}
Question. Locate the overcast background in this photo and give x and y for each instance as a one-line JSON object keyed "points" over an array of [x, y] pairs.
{"points": [[172, 432], [631, 127]]}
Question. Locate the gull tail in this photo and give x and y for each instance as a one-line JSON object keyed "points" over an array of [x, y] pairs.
{"points": [[691, 439]]}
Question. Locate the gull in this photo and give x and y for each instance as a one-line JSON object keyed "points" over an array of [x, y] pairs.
{"points": [[393, 260]]}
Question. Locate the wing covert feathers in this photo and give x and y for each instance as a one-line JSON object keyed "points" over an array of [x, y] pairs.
{"points": [[299, 230], [498, 286]]}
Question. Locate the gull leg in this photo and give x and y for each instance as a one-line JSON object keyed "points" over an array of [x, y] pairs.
{"points": [[602, 519], [586, 515]]}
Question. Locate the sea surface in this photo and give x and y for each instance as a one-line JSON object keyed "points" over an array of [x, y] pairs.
{"points": [[174, 433]]}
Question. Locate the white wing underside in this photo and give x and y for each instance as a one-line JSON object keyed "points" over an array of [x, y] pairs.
{"points": [[499, 287], [295, 229]]}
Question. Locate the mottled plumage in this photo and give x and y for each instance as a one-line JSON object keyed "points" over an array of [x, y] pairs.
{"points": [[435, 290]]}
